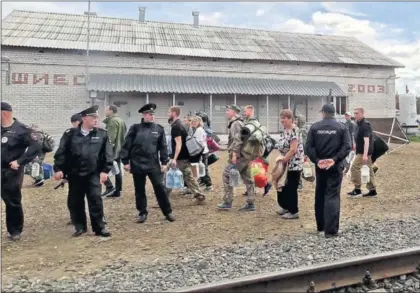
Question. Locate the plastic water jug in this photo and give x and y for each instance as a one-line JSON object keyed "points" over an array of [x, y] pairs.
{"points": [[307, 169], [169, 179], [201, 170], [234, 177], [35, 169], [365, 174], [178, 179]]}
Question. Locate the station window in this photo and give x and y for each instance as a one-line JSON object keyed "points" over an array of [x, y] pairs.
{"points": [[341, 105]]}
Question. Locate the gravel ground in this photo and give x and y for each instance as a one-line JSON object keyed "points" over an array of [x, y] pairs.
{"points": [[210, 265], [405, 283]]}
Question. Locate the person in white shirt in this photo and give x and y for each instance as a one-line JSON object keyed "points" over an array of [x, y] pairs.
{"points": [[201, 136]]}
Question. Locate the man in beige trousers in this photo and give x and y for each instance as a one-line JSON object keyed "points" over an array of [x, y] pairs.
{"points": [[364, 149]]}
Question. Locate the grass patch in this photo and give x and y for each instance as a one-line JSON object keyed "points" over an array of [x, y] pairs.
{"points": [[414, 138]]}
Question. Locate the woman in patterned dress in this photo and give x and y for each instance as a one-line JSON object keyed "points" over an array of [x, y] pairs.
{"points": [[291, 147]]}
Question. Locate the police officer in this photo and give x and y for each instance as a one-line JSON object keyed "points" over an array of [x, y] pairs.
{"points": [[15, 139], [84, 158], [144, 145], [327, 145]]}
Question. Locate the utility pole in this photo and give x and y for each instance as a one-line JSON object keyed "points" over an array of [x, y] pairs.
{"points": [[87, 54]]}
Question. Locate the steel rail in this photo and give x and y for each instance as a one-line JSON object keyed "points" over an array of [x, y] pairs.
{"points": [[324, 276]]}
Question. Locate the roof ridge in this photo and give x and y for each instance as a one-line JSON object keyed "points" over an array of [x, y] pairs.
{"points": [[183, 24]]}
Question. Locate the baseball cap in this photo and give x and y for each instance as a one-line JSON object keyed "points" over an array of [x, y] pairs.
{"points": [[328, 108], [6, 107], [234, 108]]}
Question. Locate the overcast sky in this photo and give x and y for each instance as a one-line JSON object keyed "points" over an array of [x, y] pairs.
{"points": [[392, 28]]}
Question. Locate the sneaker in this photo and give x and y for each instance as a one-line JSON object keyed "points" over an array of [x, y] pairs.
{"points": [[356, 193], [79, 232], [267, 189], [290, 216], [331, 235], [208, 188], [248, 208], [39, 183], [224, 206], [108, 192], [282, 212], [371, 194]]}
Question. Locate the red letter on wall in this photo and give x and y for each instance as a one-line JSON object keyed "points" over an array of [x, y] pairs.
{"points": [[79, 80], [19, 78], [381, 89], [60, 79], [361, 88], [351, 88], [37, 79], [371, 89]]}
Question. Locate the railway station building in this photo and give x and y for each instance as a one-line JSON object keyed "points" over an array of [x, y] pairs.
{"points": [[47, 75]]}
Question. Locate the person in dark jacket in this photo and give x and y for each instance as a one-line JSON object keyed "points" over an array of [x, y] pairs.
{"points": [[85, 158], [327, 145], [19, 146], [144, 145]]}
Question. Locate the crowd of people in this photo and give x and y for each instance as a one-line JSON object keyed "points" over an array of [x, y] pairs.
{"points": [[88, 154]]}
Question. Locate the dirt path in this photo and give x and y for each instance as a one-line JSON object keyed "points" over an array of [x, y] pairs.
{"points": [[48, 251]]}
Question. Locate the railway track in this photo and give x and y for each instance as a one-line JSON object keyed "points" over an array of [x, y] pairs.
{"points": [[324, 277]]}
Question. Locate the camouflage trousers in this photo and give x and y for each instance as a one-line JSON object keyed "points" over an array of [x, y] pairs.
{"points": [[185, 167], [28, 168], [248, 180]]}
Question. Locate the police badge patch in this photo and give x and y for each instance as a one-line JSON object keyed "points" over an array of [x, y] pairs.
{"points": [[4, 139]]}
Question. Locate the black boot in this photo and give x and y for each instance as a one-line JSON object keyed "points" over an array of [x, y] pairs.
{"points": [[170, 217], [103, 233], [79, 231]]}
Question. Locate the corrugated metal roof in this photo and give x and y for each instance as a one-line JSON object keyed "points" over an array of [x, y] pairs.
{"points": [[68, 31], [210, 85]]}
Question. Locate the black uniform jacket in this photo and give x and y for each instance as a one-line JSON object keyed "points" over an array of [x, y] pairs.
{"points": [[328, 139], [83, 155], [18, 142], [143, 145]]}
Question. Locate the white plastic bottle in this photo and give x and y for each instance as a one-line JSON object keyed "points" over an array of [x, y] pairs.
{"points": [[35, 170], [201, 169], [365, 174]]}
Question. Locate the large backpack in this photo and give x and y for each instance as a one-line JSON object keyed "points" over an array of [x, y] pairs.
{"points": [[46, 140], [254, 137]]}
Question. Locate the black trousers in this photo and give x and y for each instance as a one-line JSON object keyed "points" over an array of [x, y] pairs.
{"points": [[288, 197], [11, 193], [89, 186], [118, 179], [160, 192], [327, 199]]}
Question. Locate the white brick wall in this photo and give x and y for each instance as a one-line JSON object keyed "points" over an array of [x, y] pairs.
{"points": [[52, 105]]}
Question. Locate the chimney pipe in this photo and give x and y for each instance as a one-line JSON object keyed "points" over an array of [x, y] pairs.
{"points": [[142, 14], [196, 15]]}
